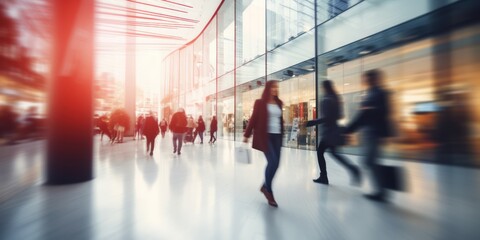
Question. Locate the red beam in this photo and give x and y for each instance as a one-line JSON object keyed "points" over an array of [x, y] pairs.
{"points": [[180, 4], [156, 6]]}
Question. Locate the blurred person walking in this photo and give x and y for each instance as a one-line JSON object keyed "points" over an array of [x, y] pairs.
{"points": [[213, 130], [373, 118], [114, 133], [190, 125], [163, 127], [331, 133], [120, 133], [150, 130], [267, 126], [178, 126], [200, 129], [8, 124], [119, 121], [103, 125], [139, 126], [190, 128]]}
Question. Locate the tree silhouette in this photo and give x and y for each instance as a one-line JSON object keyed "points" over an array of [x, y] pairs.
{"points": [[14, 59], [8, 39]]}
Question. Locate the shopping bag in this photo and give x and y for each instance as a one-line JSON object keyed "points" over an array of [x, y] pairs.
{"points": [[243, 154], [392, 177]]}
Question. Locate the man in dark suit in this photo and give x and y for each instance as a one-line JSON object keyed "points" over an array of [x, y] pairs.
{"points": [[373, 119]]}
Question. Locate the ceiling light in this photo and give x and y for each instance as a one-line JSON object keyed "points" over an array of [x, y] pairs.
{"points": [[363, 52], [311, 68], [366, 50]]}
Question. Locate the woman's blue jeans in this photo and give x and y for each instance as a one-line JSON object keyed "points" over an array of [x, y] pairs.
{"points": [[273, 158]]}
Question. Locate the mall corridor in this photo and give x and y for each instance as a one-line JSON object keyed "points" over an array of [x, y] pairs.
{"points": [[205, 194]]}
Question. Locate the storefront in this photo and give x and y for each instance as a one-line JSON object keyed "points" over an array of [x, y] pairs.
{"points": [[423, 104], [226, 118], [298, 96]]}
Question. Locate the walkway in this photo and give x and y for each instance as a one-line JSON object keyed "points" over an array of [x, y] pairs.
{"points": [[205, 194]]}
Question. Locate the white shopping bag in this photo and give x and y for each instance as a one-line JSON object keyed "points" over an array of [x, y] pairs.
{"points": [[243, 154]]}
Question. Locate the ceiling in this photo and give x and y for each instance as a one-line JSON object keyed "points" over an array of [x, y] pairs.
{"points": [[159, 25], [156, 25]]}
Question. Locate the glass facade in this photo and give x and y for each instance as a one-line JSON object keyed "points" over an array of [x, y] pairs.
{"points": [[288, 19], [208, 64], [248, 42], [226, 109], [328, 9], [226, 39], [197, 62], [250, 30]]}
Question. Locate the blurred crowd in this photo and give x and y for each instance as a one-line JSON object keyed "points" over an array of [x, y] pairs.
{"points": [[20, 126], [115, 124]]}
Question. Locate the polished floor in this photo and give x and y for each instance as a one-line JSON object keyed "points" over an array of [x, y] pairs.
{"points": [[205, 194]]}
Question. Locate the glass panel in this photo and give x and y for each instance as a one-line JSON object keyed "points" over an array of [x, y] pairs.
{"points": [[171, 77], [287, 19], [465, 59], [327, 9], [209, 89], [247, 94], [182, 73], [226, 120], [194, 103], [298, 96], [197, 61], [225, 82], [226, 35], [250, 25], [292, 53], [208, 65], [182, 101], [188, 67], [195, 95], [168, 83], [209, 112], [251, 71], [175, 71]]}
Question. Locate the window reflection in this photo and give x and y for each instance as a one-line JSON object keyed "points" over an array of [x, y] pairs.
{"points": [[226, 35], [287, 19], [431, 115], [251, 27]]}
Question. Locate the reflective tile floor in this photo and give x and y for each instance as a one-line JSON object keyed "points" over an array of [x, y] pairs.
{"points": [[205, 194]]}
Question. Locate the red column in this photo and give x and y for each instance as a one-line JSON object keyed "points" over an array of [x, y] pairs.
{"points": [[69, 151], [130, 71]]}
